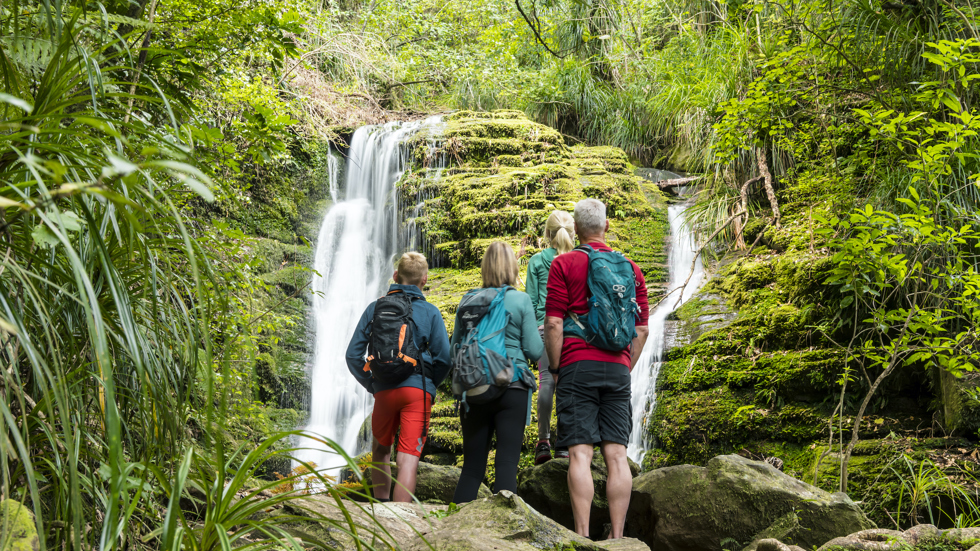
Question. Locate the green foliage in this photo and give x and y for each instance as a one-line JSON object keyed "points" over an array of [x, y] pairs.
{"points": [[929, 494], [214, 506]]}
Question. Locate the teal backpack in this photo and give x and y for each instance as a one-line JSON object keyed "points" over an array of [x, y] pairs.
{"points": [[610, 323], [482, 371]]}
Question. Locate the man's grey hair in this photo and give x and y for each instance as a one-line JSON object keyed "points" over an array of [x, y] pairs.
{"points": [[590, 217]]}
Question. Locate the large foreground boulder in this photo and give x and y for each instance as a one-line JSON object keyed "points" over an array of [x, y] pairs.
{"points": [[505, 522], [545, 487], [499, 523], [733, 499]]}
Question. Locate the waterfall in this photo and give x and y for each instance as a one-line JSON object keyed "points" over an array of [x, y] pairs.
{"points": [[354, 257], [682, 251], [333, 173]]}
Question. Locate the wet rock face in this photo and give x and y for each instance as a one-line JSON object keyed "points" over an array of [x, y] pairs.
{"points": [[437, 483], [688, 508], [703, 313]]}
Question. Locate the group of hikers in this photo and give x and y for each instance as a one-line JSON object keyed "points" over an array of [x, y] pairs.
{"points": [[583, 320]]}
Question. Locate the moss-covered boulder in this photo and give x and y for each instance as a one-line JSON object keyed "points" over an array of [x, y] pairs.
{"points": [[960, 403], [505, 522], [437, 483], [545, 487], [692, 508], [923, 537], [17, 529]]}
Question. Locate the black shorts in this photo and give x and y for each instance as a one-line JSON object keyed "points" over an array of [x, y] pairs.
{"points": [[593, 403]]}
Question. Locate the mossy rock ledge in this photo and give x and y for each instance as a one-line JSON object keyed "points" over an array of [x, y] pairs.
{"points": [[690, 508], [506, 174], [503, 175]]}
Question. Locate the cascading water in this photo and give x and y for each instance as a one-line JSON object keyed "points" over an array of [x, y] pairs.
{"points": [[682, 251], [357, 242]]}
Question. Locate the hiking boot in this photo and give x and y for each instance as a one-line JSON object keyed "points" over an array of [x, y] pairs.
{"points": [[542, 453], [561, 453]]}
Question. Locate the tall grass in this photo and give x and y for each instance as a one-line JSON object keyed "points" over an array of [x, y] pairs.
{"points": [[101, 293], [664, 104], [113, 323]]}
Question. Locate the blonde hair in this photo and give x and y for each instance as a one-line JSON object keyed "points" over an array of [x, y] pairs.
{"points": [[499, 265], [412, 268], [559, 231]]}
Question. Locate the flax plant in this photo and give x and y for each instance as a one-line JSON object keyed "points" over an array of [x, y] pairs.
{"points": [[109, 344]]}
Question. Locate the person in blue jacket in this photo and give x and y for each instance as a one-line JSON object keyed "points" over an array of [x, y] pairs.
{"points": [[404, 405]]}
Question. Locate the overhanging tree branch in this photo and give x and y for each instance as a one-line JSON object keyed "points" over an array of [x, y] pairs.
{"points": [[535, 27]]}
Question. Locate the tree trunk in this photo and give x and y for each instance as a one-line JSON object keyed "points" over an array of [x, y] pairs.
{"points": [[760, 158]]}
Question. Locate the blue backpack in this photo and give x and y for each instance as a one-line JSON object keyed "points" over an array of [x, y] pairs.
{"points": [[482, 371], [610, 323]]}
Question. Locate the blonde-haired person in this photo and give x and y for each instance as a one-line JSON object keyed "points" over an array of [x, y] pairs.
{"points": [[559, 233], [506, 416]]}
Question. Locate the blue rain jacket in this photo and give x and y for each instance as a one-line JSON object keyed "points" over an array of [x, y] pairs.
{"points": [[430, 336]]}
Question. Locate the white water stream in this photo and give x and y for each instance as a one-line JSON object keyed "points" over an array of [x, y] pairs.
{"points": [[354, 257], [679, 260]]}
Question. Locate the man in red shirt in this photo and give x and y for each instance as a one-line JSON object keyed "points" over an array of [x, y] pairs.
{"points": [[593, 385]]}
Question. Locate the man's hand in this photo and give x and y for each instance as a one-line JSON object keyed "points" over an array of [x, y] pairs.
{"points": [[642, 332], [553, 339]]}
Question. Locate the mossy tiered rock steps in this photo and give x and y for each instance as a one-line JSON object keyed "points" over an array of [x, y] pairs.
{"points": [[505, 174]]}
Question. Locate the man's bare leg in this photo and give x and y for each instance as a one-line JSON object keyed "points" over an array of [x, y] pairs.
{"points": [[381, 471], [619, 485], [580, 485], [408, 466]]}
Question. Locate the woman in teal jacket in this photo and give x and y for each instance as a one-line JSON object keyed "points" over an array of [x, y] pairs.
{"points": [[506, 416], [559, 233]]}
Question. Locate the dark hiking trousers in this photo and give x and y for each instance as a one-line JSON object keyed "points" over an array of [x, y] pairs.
{"points": [[504, 417]]}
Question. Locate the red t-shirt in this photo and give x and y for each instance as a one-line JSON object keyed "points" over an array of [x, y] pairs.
{"points": [[568, 292]]}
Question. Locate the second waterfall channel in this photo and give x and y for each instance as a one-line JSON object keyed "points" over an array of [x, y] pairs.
{"points": [[362, 233]]}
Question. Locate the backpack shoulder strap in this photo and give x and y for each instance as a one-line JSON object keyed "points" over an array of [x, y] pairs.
{"points": [[585, 248]]}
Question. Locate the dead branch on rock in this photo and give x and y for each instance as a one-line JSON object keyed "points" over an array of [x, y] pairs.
{"points": [[760, 158], [676, 182]]}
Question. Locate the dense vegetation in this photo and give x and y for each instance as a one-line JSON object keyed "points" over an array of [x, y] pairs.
{"points": [[162, 179]]}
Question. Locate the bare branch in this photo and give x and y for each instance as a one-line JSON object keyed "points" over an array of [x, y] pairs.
{"points": [[536, 29]]}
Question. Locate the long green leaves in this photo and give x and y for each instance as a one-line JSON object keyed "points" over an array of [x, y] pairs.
{"points": [[100, 282]]}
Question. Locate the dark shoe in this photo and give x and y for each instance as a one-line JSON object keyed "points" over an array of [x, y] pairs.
{"points": [[561, 453], [542, 453]]}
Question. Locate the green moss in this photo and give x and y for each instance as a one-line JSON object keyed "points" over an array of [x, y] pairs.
{"points": [[272, 255], [17, 529], [509, 173], [445, 288], [290, 279]]}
